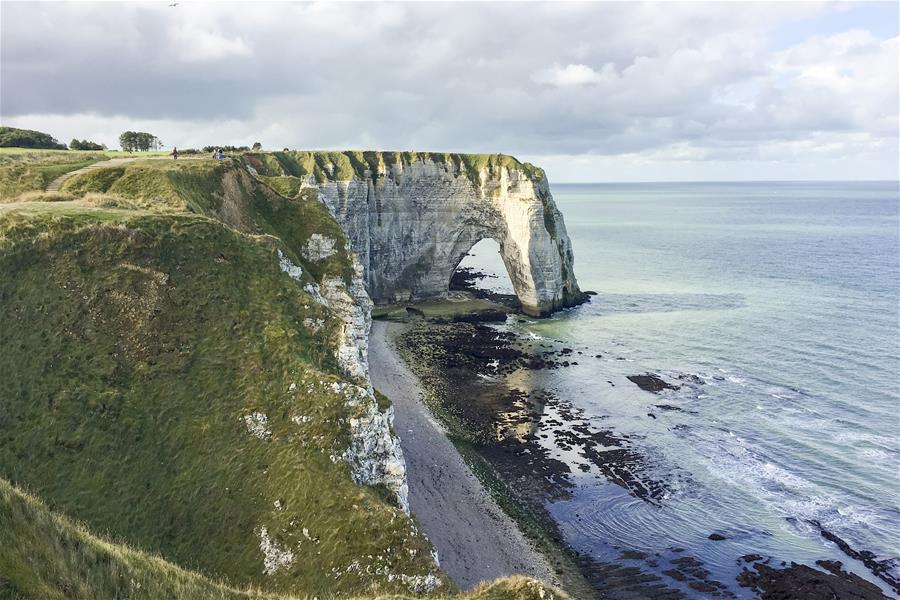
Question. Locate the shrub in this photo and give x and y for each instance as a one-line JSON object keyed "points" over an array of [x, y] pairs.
{"points": [[77, 144]]}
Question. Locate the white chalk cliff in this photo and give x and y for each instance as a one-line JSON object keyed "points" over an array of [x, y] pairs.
{"points": [[411, 218]]}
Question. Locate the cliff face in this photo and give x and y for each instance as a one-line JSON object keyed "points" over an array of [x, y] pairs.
{"points": [[374, 453], [411, 218]]}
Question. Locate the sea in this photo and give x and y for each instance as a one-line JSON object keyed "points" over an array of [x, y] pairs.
{"points": [[774, 306]]}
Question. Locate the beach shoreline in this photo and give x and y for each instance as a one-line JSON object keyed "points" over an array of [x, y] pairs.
{"points": [[474, 538]]}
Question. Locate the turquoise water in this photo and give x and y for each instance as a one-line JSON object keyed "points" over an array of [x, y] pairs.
{"points": [[782, 298]]}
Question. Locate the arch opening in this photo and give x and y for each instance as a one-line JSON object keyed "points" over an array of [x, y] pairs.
{"points": [[482, 273]]}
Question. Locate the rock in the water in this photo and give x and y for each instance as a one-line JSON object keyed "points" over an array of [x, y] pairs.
{"points": [[801, 582], [651, 383]]}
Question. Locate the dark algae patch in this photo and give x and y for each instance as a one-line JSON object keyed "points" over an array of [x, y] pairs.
{"points": [[465, 279], [880, 568], [801, 582]]}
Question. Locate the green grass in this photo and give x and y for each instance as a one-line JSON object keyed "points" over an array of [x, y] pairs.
{"points": [[288, 186], [222, 190], [155, 184], [109, 153], [43, 555], [31, 170], [46, 556], [324, 166], [134, 344]]}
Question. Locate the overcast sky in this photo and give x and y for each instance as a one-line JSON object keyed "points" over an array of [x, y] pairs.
{"points": [[590, 91]]}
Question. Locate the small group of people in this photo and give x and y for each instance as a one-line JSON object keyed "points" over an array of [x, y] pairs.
{"points": [[217, 154]]}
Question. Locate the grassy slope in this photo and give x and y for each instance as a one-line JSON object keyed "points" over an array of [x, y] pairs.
{"points": [[54, 558], [107, 153], [32, 170], [45, 556], [220, 190], [133, 346]]}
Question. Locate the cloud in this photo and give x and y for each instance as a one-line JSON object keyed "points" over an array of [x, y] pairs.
{"points": [[669, 81], [197, 44], [573, 75]]}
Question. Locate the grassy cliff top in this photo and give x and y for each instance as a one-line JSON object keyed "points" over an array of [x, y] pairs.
{"points": [[30, 170], [27, 170], [356, 164], [221, 190]]}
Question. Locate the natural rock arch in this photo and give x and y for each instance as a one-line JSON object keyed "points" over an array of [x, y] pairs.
{"points": [[412, 217]]}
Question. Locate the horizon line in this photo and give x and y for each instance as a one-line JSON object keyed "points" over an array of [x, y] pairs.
{"points": [[607, 182]]}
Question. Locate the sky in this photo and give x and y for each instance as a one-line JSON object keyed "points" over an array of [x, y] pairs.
{"points": [[609, 91]]}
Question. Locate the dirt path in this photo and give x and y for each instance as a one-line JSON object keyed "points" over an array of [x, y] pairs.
{"points": [[56, 184], [474, 538]]}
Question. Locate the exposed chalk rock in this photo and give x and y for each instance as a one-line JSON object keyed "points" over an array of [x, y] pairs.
{"points": [[352, 304], [313, 324], [318, 247], [274, 557], [295, 272], [313, 290], [421, 584], [374, 454], [412, 223], [258, 425]]}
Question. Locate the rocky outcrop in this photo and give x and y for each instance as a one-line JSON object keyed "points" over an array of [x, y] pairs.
{"points": [[374, 454], [411, 218]]}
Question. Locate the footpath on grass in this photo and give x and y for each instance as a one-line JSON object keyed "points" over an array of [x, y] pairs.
{"points": [[56, 184]]}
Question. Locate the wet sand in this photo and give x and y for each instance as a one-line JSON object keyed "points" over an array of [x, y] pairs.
{"points": [[474, 538]]}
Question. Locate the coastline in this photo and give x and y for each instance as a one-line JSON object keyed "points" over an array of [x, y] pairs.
{"points": [[474, 538], [452, 375]]}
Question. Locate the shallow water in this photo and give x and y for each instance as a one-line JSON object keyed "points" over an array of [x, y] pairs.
{"points": [[782, 298]]}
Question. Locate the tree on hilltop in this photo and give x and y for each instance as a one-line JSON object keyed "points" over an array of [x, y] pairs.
{"points": [[140, 141], [12, 137]]}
